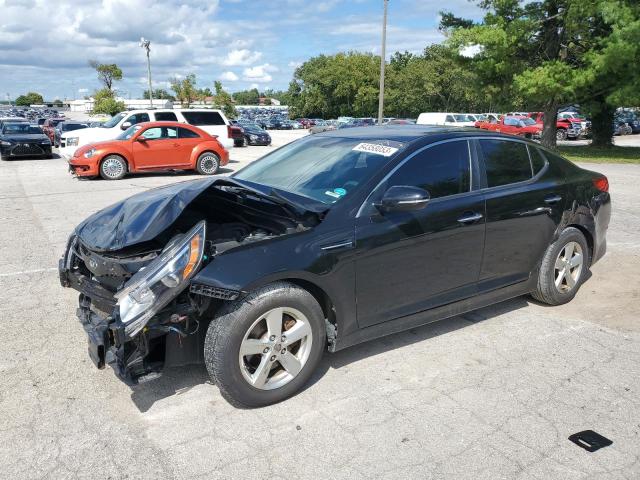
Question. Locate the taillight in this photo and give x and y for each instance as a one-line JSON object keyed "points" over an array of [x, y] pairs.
{"points": [[229, 131], [601, 183]]}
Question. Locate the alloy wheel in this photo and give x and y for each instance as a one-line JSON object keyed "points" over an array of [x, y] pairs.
{"points": [[112, 167], [209, 164], [568, 267], [275, 348]]}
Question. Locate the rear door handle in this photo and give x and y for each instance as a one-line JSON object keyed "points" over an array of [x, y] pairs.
{"points": [[470, 218], [551, 199]]}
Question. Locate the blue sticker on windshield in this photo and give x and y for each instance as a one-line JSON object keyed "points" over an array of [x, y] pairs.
{"points": [[340, 191]]}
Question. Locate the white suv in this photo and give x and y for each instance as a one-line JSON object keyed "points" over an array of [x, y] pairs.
{"points": [[213, 122]]}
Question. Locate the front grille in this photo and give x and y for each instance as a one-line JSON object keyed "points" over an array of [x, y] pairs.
{"points": [[27, 149], [214, 292]]}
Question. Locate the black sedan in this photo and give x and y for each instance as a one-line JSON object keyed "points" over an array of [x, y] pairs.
{"points": [[329, 241], [254, 135], [23, 140]]}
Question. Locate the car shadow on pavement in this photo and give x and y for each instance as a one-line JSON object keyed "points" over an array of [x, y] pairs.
{"points": [[179, 380]]}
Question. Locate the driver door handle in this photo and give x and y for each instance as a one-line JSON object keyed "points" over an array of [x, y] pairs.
{"points": [[470, 218]]}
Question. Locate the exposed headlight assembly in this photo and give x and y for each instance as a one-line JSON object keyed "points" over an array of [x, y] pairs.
{"points": [[153, 287], [72, 141], [90, 153]]}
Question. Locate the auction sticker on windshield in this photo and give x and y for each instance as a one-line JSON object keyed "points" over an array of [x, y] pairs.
{"points": [[383, 150]]}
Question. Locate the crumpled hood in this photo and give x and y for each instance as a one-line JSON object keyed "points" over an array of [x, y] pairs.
{"points": [[139, 218]]}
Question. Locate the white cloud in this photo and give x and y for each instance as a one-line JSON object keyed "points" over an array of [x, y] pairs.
{"points": [[294, 64], [229, 76], [259, 73], [241, 57]]}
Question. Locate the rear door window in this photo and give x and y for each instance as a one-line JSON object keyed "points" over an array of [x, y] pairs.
{"points": [[203, 118], [165, 117], [505, 162]]}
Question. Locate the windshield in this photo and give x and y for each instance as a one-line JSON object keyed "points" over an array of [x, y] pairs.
{"points": [[129, 132], [21, 128], [67, 127], [113, 121], [323, 169]]}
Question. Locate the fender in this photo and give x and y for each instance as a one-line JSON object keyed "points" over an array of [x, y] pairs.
{"points": [[207, 146], [247, 268]]}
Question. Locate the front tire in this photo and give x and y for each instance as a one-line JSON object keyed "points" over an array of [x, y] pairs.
{"points": [[113, 167], [564, 268], [263, 348], [561, 134], [208, 163]]}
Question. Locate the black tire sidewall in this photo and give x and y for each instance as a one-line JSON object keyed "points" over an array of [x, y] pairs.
{"points": [[226, 333], [199, 163]]}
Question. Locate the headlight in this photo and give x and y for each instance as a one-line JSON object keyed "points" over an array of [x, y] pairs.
{"points": [[5, 143], [46, 142], [72, 141], [90, 153], [253, 137], [161, 281]]}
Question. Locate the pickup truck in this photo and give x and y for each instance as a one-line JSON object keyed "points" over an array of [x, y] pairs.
{"points": [[567, 127], [520, 125]]}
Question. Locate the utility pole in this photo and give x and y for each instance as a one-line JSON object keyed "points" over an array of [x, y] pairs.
{"points": [[382, 63], [146, 44]]}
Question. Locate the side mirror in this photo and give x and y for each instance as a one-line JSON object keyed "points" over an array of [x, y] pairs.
{"points": [[125, 125], [141, 139], [403, 198]]}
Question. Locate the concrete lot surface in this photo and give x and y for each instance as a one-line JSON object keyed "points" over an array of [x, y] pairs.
{"points": [[489, 395]]}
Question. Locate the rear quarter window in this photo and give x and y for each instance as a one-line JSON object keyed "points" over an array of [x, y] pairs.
{"points": [[186, 133], [203, 118], [537, 160], [505, 162]]}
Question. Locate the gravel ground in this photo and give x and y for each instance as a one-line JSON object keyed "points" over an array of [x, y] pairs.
{"points": [[492, 394]]}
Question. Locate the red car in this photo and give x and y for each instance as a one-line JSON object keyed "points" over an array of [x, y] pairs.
{"points": [[514, 125], [151, 146], [565, 127], [49, 127]]}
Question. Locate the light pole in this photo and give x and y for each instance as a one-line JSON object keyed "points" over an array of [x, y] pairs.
{"points": [[146, 44], [382, 62]]}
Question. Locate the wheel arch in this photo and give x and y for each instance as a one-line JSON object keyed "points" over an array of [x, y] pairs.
{"points": [[201, 148], [587, 235]]}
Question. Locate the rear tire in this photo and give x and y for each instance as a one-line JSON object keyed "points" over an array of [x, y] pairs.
{"points": [[564, 268], [113, 167], [280, 366], [208, 163]]}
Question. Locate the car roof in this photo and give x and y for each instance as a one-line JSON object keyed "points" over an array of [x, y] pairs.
{"points": [[409, 133]]}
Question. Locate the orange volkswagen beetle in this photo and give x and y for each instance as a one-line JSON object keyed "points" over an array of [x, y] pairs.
{"points": [[151, 146]]}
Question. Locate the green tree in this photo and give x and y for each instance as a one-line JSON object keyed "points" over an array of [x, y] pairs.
{"points": [[224, 100], [159, 93], [57, 103], [107, 73], [31, 98], [247, 97], [545, 53], [105, 102], [185, 89]]}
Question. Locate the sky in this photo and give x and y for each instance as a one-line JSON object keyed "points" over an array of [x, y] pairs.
{"points": [[45, 45]]}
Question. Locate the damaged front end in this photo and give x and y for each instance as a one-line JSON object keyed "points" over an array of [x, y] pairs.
{"points": [[133, 263]]}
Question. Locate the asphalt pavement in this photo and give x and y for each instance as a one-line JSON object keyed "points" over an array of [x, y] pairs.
{"points": [[493, 394]]}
